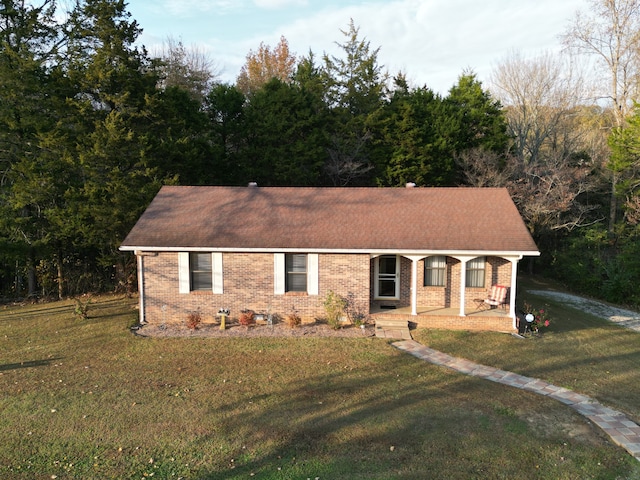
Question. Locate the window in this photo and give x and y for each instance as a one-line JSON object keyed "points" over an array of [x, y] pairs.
{"points": [[295, 272], [387, 276], [200, 271], [475, 272], [434, 271]]}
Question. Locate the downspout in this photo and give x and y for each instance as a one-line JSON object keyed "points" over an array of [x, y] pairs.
{"points": [[140, 259]]}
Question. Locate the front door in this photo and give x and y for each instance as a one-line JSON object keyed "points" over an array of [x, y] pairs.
{"points": [[387, 271]]}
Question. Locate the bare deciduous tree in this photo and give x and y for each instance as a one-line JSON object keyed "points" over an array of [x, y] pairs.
{"points": [[541, 97], [347, 159], [610, 32], [555, 150], [483, 168], [187, 68], [549, 196]]}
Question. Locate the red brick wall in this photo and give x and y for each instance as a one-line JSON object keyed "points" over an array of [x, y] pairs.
{"points": [[497, 271], [474, 322], [249, 284]]}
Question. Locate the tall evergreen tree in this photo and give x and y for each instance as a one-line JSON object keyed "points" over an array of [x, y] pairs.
{"points": [[224, 107], [479, 121], [415, 152], [355, 86], [29, 96], [115, 83], [285, 142]]}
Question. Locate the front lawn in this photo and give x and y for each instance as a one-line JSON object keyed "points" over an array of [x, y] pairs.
{"points": [[88, 399]]}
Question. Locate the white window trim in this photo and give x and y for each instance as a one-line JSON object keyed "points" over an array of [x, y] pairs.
{"points": [[312, 274], [376, 294], [184, 281], [184, 273], [279, 274], [217, 283]]}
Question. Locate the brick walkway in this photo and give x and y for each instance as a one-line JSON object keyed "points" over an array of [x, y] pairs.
{"points": [[622, 431]]}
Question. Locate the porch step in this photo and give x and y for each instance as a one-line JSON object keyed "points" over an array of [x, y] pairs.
{"points": [[393, 329]]}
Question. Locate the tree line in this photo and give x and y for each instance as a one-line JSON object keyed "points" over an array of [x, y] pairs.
{"points": [[92, 124]]}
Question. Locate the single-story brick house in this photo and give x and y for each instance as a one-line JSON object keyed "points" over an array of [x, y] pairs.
{"points": [[429, 254]]}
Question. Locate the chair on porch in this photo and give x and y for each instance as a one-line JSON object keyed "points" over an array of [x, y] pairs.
{"points": [[497, 297]]}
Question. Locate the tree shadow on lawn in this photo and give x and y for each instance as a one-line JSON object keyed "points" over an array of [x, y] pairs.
{"points": [[420, 422], [599, 361], [29, 364], [35, 310]]}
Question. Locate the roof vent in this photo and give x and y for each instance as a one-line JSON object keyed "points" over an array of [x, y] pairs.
{"points": [[252, 184], [410, 185]]}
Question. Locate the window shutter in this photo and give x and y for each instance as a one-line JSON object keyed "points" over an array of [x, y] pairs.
{"points": [[217, 281], [278, 273], [312, 274], [184, 283]]}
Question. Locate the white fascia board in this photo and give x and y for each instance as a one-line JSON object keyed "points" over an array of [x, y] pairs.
{"points": [[371, 252]]}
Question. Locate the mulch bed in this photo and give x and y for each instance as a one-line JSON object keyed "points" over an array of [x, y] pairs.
{"points": [[236, 330]]}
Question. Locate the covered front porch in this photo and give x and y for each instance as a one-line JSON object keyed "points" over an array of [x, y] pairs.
{"points": [[495, 319], [444, 289]]}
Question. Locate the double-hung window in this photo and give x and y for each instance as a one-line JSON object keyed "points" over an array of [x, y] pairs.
{"points": [[200, 271], [435, 268], [475, 272], [295, 272]]}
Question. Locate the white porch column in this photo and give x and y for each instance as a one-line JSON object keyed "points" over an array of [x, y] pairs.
{"points": [[414, 285], [463, 284], [414, 282], [512, 291]]}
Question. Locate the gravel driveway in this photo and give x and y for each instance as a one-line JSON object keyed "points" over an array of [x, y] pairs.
{"points": [[625, 318]]}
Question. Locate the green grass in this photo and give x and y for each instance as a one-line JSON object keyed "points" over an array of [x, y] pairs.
{"points": [[87, 399], [579, 351]]}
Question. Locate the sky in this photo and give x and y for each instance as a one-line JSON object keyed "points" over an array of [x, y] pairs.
{"points": [[431, 41]]}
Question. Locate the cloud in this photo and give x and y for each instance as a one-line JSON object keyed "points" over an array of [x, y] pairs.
{"points": [[431, 41], [434, 42], [277, 4], [194, 8]]}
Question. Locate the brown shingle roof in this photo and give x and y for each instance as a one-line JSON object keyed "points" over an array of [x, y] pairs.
{"points": [[364, 219]]}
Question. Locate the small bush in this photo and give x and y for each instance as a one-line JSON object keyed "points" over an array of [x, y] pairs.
{"points": [[293, 319], [358, 319], [356, 314], [193, 320], [540, 317], [334, 305], [81, 309], [247, 317]]}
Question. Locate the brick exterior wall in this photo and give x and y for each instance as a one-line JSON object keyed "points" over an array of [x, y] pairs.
{"points": [[248, 282], [497, 271], [476, 322]]}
